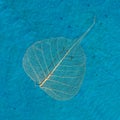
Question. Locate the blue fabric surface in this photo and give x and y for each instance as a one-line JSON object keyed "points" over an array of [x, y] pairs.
{"points": [[22, 22]]}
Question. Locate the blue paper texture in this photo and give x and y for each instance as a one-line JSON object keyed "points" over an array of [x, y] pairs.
{"points": [[23, 22]]}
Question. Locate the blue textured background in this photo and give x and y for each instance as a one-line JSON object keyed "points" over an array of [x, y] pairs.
{"points": [[22, 22]]}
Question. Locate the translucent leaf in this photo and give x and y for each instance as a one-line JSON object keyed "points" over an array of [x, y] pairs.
{"points": [[57, 65]]}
